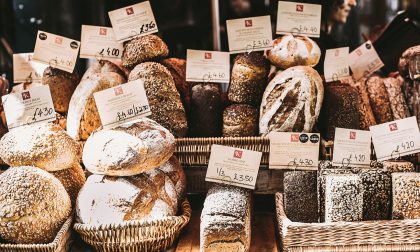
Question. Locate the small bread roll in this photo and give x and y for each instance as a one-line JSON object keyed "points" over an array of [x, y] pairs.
{"points": [[72, 179], [33, 205], [46, 146], [142, 49], [174, 171], [128, 150]]}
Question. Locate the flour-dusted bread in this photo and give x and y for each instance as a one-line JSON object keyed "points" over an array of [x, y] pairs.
{"points": [[248, 79], [379, 99], [174, 171], [83, 116], [289, 51], [33, 205], [112, 200], [142, 49], [45, 146], [62, 85], [405, 59], [72, 179], [164, 100], [178, 68], [102, 66], [240, 120], [292, 101], [129, 149]]}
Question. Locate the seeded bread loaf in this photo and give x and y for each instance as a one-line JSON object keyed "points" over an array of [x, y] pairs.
{"points": [[178, 68], [366, 117], [240, 120], [397, 101], [142, 49], [406, 195], [405, 59], [379, 99], [72, 179]]}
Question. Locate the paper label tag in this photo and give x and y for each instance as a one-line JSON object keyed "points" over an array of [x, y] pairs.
{"points": [[249, 34], [56, 51], [25, 69], [132, 21], [99, 43], [364, 60], [30, 106], [233, 166], [290, 150], [208, 66], [336, 65], [299, 19], [122, 104], [351, 147], [396, 139]]}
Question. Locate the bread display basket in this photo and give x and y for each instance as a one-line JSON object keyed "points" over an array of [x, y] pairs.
{"points": [[61, 243], [156, 235], [379, 236]]}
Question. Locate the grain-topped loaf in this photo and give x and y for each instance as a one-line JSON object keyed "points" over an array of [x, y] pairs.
{"points": [[405, 60], [397, 101], [240, 120], [379, 99], [72, 179], [46, 146], [102, 66], [367, 117], [178, 68], [142, 49]]}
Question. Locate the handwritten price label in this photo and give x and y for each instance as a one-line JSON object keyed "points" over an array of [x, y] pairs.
{"points": [[364, 60], [29, 107], [352, 147], [100, 43], [233, 166], [336, 66], [25, 69], [122, 104], [208, 66]]}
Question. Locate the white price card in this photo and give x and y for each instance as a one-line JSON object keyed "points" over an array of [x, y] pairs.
{"points": [[395, 139], [249, 34], [100, 43], [364, 60], [233, 166], [299, 19], [30, 106], [122, 104], [25, 69], [56, 51], [132, 21], [336, 66], [352, 147], [208, 66], [289, 150]]}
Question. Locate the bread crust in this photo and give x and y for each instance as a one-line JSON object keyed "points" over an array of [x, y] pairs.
{"points": [[142, 49]]}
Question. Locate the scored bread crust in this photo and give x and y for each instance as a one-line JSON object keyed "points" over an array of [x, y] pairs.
{"points": [[72, 179], [144, 48], [33, 205], [174, 171], [46, 146], [102, 66]]}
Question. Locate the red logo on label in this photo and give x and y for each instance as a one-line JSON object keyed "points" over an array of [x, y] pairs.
{"points": [[58, 40], [118, 90], [26, 95], [393, 127], [237, 154], [359, 52], [352, 135], [294, 138], [207, 55], [299, 7], [102, 31], [248, 23], [129, 11]]}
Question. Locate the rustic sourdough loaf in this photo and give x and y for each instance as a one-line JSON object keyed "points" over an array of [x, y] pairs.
{"points": [[240, 120], [174, 171], [102, 66], [142, 49], [72, 179]]}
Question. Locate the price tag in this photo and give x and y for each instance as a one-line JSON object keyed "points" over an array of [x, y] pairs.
{"points": [[294, 150], [233, 166], [364, 60], [30, 106], [249, 34], [299, 19], [396, 139], [56, 51], [351, 147], [336, 66], [100, 43], [132, 21], [208, 66], [121, 104], [25, 69]]}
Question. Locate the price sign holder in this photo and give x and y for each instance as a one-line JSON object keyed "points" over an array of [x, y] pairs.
{"points": [[364, 61], [99, 42], [208, 66], [352, 147], [25, 69], [336, 66]]}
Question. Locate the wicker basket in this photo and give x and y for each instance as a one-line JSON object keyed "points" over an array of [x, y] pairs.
{"points": [[196, 151], [61, 243], [391, 235], [131, 236]]}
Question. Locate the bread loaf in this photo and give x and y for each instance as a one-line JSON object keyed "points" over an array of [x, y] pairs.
{"points": [[292, 101], [178, 68], [366, 117], [33, 205], [72, 179], [142, 49], [129, 149], [240, 120], [379, 100], [406, 195], [174, 171], [102, 66], [164, 100], [405, 59], [397, 166], [289, 51], [45, 146], [112, 200], [248, 79], [61, 120], [226, 219], [397, 101], [83, 116]]}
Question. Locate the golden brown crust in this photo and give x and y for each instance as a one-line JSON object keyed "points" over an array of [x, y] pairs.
{"points": [[379, 99], [178, 68], [174, 171], [240, 120], [72, 179], [142, 49]]}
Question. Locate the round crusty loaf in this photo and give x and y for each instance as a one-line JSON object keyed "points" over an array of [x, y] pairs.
{"points": [[249, 78], [83, 116], [112, 200], [174, 171], [128, 150], [142, 49], [289, 51], [405, 60], [72, 179], [62, 85], [46, 146], [240, 120], [164, 100], [292, 101], [102, 66], [33, 205], [178, 68]]}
